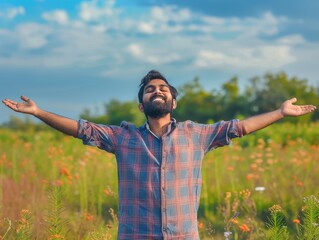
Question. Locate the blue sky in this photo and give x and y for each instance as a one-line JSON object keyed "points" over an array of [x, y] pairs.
{"points": [[69, 55]]}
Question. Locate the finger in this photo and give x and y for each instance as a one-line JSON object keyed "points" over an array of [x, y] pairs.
{"points": [[9, 102], [24, 98], [308, 108], [293, 100]]}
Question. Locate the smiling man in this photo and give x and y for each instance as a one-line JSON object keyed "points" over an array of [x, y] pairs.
{"points": [[159, 163]]}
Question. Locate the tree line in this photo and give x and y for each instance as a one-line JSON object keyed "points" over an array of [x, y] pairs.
{"points": [[261, 94]]}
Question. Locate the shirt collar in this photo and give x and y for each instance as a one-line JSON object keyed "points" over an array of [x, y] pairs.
{"points": [[170, 128]]}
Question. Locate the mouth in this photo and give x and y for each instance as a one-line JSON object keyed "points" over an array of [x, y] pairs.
{"points": [[158, 99]]}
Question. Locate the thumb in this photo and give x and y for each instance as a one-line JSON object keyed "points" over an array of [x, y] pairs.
{"points": [[24, 98], [292, 100]]}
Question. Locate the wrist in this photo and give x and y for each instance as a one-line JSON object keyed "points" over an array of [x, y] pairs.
{"points": [[37, 112], [281, 113]]}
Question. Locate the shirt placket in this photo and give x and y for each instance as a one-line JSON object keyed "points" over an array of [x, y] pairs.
{"points": [[163, 189]]}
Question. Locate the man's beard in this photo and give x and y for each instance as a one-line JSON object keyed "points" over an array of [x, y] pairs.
{"points": [[157, 109]]}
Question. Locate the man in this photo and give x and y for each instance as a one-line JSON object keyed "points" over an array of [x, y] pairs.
{"points": [[159, 164]]}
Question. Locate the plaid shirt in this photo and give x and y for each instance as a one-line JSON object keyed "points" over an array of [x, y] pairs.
{"points": [[159, 177]]}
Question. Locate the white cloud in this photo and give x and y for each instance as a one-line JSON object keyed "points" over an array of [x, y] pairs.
{"points": [[292, 40], [151, 56], [32, 35], [95, 10], [11, 13], [262, 57], [103, 35], [170, 13], [57, 16]]}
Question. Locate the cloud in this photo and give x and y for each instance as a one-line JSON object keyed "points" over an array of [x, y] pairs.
{"points": [[260, 57], [32, 36], [151, 56], [58, 16], [94, 11], [11, 13], [103, 36]]}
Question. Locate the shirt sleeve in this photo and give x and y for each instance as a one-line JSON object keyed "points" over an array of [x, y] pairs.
{"points": [[220, 134], [101, 136]]}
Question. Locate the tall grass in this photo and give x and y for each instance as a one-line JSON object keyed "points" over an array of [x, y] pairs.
{"points": [[69, 190]]}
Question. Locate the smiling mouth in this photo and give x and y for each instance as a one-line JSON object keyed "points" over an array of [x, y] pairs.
{"points": [[158, 99]]}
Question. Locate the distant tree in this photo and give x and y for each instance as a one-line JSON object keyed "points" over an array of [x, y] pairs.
{"points": [[268, 93], [24, 124], [118, 111], [197, 104], [262, 94], [234, 103], [87, 115]]}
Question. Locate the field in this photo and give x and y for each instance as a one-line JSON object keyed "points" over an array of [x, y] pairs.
{"points": [[263, 186]]}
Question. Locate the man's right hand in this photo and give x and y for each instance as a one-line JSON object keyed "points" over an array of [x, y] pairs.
{"points": [[27, 106], [63, 124]]}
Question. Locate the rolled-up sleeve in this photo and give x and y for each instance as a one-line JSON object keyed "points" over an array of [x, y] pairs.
{"points": [[220, 133], [99, 135]]}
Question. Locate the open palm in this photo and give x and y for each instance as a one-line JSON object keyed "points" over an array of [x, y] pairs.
{"points": [[288, 109], [27, 106]]}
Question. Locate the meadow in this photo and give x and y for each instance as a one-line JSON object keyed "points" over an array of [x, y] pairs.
{"points": [[263, 186]]}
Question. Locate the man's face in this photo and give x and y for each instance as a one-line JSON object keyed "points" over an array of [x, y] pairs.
{"points": [[157, 99]]}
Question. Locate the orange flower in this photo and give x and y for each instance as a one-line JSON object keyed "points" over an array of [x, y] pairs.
{"points": [[234, 221], [200, 225], [230, 168], [228, 195], [299, 183], [88, 217], [65, 171], [58, 183], [296, 221], [250, 176], [107, 192], [244, 228]]}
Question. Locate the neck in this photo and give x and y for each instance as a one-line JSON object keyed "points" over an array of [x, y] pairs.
{"points": [[159, 125]]}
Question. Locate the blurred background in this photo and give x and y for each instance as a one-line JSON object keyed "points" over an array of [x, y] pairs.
{"points": [[75, 57]]}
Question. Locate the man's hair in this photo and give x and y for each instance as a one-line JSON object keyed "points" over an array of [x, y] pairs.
{"points": [[151, 75]]}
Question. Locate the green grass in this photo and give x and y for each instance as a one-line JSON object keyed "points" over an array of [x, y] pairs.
{"points": [[282, 159]]}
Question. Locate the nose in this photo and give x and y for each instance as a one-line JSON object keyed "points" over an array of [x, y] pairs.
{"points": [[157, 91]]}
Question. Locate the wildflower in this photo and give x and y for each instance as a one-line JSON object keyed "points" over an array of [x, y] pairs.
{"points": [[107, 192], [57, 183], [244, 228], [245, 194], [230, 168], [234, 221], [227, 235], [88, 217], [260, 189], [275, 209], [200, 225], [296, 221], [253, 166], [250, 176], [315, 225], [56, 236], [65, 171], [228, 195]]}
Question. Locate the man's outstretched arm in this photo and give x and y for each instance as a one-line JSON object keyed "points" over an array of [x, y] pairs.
{"points": [[258, 122], [63, 124]]}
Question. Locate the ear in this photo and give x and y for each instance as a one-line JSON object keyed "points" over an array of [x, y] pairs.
{"points": [[174, 104], [140, 107]]}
